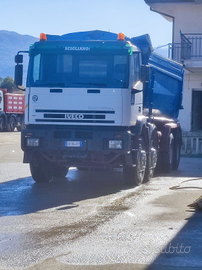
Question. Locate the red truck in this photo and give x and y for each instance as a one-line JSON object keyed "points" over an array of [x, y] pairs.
{"points": [[12, 108]]}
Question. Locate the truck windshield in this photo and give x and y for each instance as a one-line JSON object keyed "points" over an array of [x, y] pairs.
{"points": [[79, 70]]}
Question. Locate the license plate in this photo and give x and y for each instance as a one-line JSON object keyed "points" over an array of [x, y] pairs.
{"points": [[73, 144]]}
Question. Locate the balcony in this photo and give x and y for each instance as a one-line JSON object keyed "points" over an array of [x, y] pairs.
{"points": [[188, 52]]}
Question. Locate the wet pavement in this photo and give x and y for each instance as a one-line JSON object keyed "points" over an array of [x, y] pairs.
{"points": [[92, 220]]}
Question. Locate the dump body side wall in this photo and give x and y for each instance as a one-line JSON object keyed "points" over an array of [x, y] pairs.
{"points": [[14, 103], [167, 86], [12, 115]]}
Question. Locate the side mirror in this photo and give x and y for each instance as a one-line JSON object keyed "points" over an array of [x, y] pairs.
{"points": [[138, 87], [19, 59], [18, 74], [145, 73]]}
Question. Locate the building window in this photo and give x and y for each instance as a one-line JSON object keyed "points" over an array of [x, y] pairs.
{"points": [[196, 119]]}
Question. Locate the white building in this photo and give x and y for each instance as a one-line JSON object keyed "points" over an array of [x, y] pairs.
{"points": [[186, 47]]}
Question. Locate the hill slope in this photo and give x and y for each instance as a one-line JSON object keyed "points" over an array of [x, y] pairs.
{"points": [[10, 44]]}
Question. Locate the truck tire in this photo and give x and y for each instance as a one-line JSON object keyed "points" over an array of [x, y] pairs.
{"points": [[11, 124], [82, 168], [41, 169], [151, 165], [60, 171], [151, 156], [2, 124], [134, 175], [22, 126], [166, 157], [176, 150]]}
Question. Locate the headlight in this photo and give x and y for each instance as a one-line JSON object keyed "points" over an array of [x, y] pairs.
{"points": [[33, 142], [115, 144]]}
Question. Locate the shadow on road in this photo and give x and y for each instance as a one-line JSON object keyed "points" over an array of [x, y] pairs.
{"points": [[184, 251], [24, 196]]}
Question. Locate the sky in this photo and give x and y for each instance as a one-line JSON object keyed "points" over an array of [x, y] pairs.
{"points": [[57, 17]]}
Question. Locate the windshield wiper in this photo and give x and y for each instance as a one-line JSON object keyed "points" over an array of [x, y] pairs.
{"points": [[51, 84], [55, 84], [91, 83]]}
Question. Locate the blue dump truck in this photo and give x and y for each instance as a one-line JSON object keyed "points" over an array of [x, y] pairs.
{"points": [[100, 100]]}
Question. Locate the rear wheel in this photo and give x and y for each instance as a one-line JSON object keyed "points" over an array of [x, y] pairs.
{"points": [[176, 150], [11, 124], [166, 157], [41, 169], [135, 175]]}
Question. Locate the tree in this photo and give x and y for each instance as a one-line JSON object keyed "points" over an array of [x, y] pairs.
{"points": [[8, 83]]}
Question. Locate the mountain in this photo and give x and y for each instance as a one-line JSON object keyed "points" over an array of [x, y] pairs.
{"points": [[163, 51], [10, 44]]}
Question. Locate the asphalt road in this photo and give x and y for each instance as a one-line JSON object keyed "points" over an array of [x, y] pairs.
{"points": [[92, 220]]}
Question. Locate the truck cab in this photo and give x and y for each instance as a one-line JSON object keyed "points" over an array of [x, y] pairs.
{"points": [[86, 82]]}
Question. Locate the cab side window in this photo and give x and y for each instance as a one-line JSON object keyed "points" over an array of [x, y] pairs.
{"points": [[136, 67]]}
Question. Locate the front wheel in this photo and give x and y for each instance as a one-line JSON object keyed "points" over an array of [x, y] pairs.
{"points": [[41, 169], [134, 175], [60, 171]]}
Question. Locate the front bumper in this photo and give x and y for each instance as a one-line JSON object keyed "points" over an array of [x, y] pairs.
{"points": [[77, 145]]}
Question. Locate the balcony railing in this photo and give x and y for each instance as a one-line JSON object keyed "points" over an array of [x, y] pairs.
{"points": [[190, 48], [191, 143]]}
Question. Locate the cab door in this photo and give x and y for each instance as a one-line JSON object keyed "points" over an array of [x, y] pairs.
{"points": [[136, 97]]}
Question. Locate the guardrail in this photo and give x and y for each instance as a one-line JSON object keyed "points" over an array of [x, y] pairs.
{"points": [[191, 143]]}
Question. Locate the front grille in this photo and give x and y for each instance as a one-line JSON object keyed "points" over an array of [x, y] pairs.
{"points": [[85, 116], [70, 116], [73, 111], [51, 115], [75, 121]]}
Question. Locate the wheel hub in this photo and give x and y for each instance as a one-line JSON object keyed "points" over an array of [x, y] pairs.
{"points": [[153, 158], [142, 160]]}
